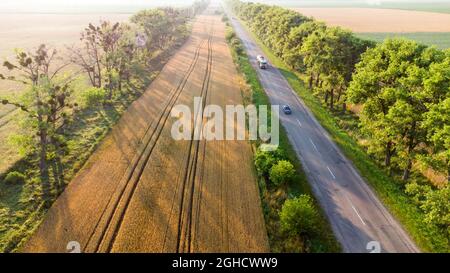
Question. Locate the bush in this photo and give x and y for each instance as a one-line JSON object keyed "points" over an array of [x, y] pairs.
{"points": [[282, 172], [224, 18], [14, 178], [264, 160], [298, 216], [236, 44], [230, 34], [93, 96]]}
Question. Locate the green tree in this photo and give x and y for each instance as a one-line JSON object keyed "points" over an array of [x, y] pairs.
{"points": [[376, 85], [330, 55], [282, 172], [160, 25], [389, 82], [291, 51], [437, 119], [434, 202], [437, 124], [46, 103], [264, 160], [298, 216], [102, 56]]}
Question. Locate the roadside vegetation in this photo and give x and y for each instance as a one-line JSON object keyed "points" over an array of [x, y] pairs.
{"points": [[285, 193], [386, 105], [65, 113]]}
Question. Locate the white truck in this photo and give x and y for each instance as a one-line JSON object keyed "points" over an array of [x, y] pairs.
{"points": [[262, 62]]}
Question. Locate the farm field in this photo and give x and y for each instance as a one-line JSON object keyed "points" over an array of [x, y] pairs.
{"points": [[418, 5], [380, 20], [192, 196], [440, 7], [429, 28], [27, 31]]}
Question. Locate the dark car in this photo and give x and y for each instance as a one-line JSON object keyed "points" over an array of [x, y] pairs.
{"points": [[286, 109]]}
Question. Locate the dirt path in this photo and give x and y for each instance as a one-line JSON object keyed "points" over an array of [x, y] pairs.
{"points": [[142, 191]]}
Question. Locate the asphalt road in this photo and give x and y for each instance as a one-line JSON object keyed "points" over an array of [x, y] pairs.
{"points": [[358, 219]]}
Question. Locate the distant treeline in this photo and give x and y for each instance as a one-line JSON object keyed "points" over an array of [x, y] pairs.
{"points": [[402, 86]]}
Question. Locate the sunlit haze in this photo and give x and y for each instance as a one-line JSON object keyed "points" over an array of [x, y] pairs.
{"points": [[43, 6]]}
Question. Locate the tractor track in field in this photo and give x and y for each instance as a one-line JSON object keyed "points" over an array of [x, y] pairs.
{"points": [[108, 231], [184, 237], [139, 165]]}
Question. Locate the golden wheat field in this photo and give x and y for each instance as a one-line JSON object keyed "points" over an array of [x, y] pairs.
{"points": [[381, 20]]}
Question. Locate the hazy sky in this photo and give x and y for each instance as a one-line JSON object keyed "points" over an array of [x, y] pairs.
{"points": [[41, 3], [69, 6], [86, 2], [7, 6]]}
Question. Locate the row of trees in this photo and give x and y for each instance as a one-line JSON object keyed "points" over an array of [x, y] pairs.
{"points": [[110, 55], [327, 54], [403, 88]]}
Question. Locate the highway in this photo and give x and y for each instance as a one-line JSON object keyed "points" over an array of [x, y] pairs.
{"points": [[359, 220]]}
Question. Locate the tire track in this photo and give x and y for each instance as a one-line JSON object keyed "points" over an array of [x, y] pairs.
{"points": [[184, 237], [113, 213]]}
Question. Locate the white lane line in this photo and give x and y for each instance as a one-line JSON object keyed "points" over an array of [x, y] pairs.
{"points": [[354, 209], [314, 145], [299, 123], [332, 174]]}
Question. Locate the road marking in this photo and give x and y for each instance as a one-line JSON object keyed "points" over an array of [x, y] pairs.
{"points": [[299, 123], [332, 174], [314, 145], [354, 209]]}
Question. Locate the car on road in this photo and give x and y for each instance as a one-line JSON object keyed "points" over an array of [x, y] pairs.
{"points": [[286, 109], [262, 62]]}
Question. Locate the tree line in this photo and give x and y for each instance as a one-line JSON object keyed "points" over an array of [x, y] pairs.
{"points": [[110, 55], [402, 86]]}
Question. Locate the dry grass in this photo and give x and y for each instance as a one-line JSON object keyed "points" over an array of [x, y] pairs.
{"points": [[381, 20]]}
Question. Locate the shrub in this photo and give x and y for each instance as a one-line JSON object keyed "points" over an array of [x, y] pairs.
{"points": [[224, 18], [14, 178], [93, 96], [298, 216], [236, 44], [229, 34], [264, 160], [282, 172]]}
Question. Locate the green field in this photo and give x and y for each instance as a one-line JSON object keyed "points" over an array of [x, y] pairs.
{"points": [[431, 6], [439, 39]]}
